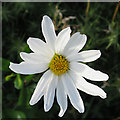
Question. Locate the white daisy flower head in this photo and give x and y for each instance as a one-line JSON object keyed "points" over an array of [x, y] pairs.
{"points": [[62, 62]]}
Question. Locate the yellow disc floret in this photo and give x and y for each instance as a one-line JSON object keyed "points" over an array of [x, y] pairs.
{"points": [[59, 64]]}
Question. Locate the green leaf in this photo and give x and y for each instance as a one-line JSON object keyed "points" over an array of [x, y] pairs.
{"points": [[14, 114], [18, 83], [24, 97], [8, 77], [5, 65]]}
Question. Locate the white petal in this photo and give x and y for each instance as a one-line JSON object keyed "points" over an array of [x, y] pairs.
{"points": [[34, 58], [86, 56], [62, 39], [41, 87], [61, 98], [75, 44], [88, 72], [48, 31], [89, 88], [28, 68], [50, 93], [39, 47], [73, 93]]}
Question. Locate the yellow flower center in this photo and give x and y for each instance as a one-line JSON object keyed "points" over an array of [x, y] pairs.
{"points": [[59, 64]]}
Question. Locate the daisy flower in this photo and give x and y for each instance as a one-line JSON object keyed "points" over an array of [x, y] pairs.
{"points": [[62, 62]]}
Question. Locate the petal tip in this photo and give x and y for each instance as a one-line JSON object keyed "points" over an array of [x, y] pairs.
{"points": [[11, 65], [21, 54], [46, 109], [46, 18], [69, 28], [104, 96], [106, 77], [28, 40], [31, 102], [99, 52], [85, 36], [61, 113], [82, 110]]}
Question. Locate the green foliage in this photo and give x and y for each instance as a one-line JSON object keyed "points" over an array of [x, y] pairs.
{"points": [[18, 83], [24, 98], [5, 65], [22, 20], [8, 77], [15, 114]]}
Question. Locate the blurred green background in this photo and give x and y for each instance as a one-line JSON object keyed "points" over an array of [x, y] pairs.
{"points": [[99, 21]]}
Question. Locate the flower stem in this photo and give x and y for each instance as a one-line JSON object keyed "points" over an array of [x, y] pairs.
{"points": [[116, 10], [87, 9]]}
